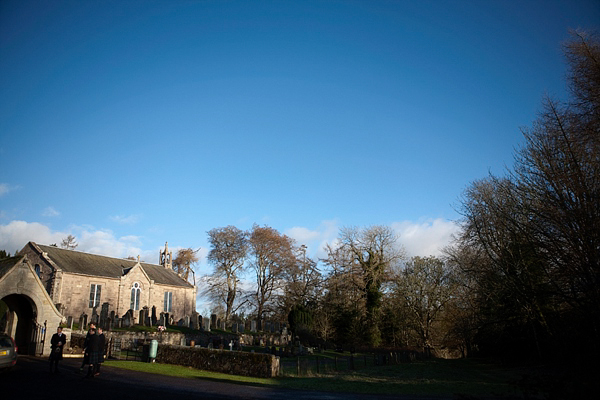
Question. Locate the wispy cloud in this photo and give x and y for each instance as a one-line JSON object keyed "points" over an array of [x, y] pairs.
{"points": [[126, 220], [5, 188], [50, 212], [422, 238]]}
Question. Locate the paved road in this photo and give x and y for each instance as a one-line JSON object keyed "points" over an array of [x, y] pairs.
{"points": [[31, 379]]}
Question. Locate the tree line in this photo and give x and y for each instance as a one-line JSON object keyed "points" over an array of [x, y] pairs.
{"points": [[521, 280]]}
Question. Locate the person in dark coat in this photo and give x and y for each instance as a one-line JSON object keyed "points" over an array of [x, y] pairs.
{"points": [[101, 343], [91, 352], [85, 344], [57, 342]]}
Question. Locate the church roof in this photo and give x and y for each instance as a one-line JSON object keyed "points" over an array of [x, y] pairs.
{"points": [[7, 263], [91, 264]]}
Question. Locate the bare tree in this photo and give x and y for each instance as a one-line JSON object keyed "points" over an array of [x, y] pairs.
{"points": [[272, 258], [426, 285], [229, 248], [69, 243], [184, 262], [364, 258]]}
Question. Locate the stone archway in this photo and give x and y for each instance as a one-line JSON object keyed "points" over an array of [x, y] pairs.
{"points": [[20, 321], [27, 305]]}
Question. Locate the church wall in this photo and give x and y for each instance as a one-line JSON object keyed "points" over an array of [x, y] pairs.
{"points": [[75, 293]]}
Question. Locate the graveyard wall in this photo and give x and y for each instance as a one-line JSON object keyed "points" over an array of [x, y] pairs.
{"points": [[224, 361]]}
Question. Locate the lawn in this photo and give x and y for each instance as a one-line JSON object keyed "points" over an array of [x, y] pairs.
{"points": [[434, 377]]}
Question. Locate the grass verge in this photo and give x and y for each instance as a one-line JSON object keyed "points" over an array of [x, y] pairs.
{"points": [[435, 377]]}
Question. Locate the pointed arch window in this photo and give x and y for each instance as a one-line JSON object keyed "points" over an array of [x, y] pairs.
{"points": [[136, 291]]}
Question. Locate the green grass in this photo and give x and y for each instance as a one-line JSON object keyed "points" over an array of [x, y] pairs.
{"points": [[436, 377]]}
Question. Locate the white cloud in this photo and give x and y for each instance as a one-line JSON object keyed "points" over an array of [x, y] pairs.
{"points": [[17, 233], [316, 239], [5, 188], [125, 220], [426, 238], [50, 212]]}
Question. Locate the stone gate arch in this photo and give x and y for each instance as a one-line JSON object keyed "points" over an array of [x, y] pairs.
{"points": [[29, 310]]}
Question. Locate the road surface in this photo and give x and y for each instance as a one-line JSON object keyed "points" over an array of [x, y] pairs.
{"points": [[31, 379]]}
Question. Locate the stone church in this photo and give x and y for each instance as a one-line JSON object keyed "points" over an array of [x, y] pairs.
{"points": [[47, 284]]}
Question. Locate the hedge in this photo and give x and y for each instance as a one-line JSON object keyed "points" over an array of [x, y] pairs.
{"points": [[225, 361]]}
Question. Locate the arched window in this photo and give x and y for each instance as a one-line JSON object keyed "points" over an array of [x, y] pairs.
{"points": [[38, 271], [135, 296]]}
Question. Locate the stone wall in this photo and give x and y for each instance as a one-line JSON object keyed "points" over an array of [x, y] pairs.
{"points": [[224, 361]]}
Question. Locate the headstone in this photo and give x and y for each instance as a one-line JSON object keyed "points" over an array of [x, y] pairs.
{"points": [[128, 318], [234, 327], [277, 327], [231, 345], [181, 322], [213, 321], [267, 326], [206, 324], [194, 320], [70, 322], [154, 319], [95, 317], [186, 321], [104, 315], [222, 325], [162, 320], [200, 321], [253, 326], [241, 328], [83, 321]]}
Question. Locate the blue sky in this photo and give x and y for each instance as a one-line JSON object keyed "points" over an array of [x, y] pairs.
{"points": [[133, 123]]}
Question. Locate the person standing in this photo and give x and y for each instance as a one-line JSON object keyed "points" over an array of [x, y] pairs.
{"points": [[85, 345], [101, 343], [57, 343], [91, 352]]}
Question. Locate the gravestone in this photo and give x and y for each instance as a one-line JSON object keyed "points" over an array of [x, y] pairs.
{"points": [[162, 320], [234, 327], [181, 322], [70, 322], [83, 321], [194, 320], [200, 320], [186, 321], [253, 326], [95, 317], [154, 319], [104, 316], [241, 328], [206, 324], [277, 327], [267, 326], [213, 321], [127, 319]]}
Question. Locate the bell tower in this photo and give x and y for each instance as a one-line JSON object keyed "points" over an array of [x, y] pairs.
{"points": [[166, 257]]}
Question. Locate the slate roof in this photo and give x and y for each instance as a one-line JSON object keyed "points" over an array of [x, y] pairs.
{"points": [[91, 264], [7, 264]]}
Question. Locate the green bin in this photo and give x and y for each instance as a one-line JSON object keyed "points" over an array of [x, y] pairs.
{"points": [[153, 350]]}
